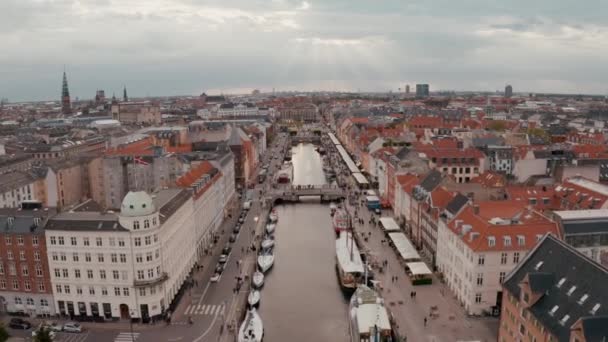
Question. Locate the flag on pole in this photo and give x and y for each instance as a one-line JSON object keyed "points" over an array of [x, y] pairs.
{"points": [[140, 161]]}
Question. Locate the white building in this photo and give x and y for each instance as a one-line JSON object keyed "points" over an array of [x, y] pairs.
{"points": [[130, 264], [231, 110], [481, 245]]}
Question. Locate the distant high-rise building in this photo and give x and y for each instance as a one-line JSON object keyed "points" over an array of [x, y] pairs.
{"points": [[100, 97], [125, 98], [407, 89], [66, 105], [422, 90], [508, 91]]}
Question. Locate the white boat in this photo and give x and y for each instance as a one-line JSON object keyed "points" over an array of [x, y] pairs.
{"points": [[267, 243], [265, 262], [332, 208], [252, 328], [368, 317], [270, 228], [274, 217], [349, 265], [257, 279], [254, 298]]}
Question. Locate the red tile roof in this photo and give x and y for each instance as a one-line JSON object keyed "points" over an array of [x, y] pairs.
{"points": [[490, 179], [196, 173]]}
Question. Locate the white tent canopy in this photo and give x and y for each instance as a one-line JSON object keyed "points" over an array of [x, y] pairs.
{"points": [[404, 247]]}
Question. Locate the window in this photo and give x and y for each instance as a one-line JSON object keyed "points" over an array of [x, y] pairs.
{"points": [[117, 291], [57, 273], [114, 258], [91, 290], [491, 241], [52, 239], [24, 270], [65, 273], [501, 277], [583, 299], [115, 275], [85, 241], [41, 288], [2, 284], [479, 279], [521, 240], [12, 270], [15, 284], [564, 320], [20, 240], [123, 258], [148, 240], [135, 225], [146, 223], [553, 310], [75, 257], [34, 241], [158, 271], [503, 258], [39, 272], [112, 241], [98, 242], [104, 291], [153, 290], [572, 289], [22, 255], [36, 256], [66, 289], [595, 308], [27, 286], [73, 241], [151, 273], [515, 257], [87, 257], [137, 241], [560, 282], [507, 240], [139, 258], [155, 237], [478, 298], [77, 274], [140, 274], [149, 256], [63, 257], [124, 275], [481, 260], [79, 290], [125, 291], [90, 274], [142, 291], [9, 241], [154, 221], [18, 300], [58, 289], [100, 257], [9, 255], [60, 241], [121, 242], [156, 254], [102, 274]]}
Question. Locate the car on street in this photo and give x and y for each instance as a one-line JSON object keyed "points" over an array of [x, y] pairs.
{"points": [[232, 238], [226, 250], [50, 325], [377, 211], [72, 327], [18, 323], [216, 277], [51, 332], [219, 268], [247, 205], [223, 259], [241, 219], [236, 229]]}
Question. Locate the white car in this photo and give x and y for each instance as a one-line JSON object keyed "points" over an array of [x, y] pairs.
{"points": [[52, 326], [216, 277], [72, 327]]}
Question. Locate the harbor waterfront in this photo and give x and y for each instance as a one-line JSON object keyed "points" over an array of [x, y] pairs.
{"points": [[301, 295]]}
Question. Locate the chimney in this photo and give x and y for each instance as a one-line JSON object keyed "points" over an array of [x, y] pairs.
{"points": [[476, 209]]}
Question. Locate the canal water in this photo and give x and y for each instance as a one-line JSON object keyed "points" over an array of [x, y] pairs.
{"points": [[301, 298]]}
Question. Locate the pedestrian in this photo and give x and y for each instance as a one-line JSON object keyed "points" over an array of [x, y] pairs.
{"points": [[411, 294], [425, 321]]}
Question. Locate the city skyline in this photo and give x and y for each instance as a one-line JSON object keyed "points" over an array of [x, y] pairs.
{"points": [[185, 47]]}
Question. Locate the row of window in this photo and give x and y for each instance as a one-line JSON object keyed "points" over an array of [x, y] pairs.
{"points": [[64, 273], [30, 301], [12, 270], [27, 285], [503, 258], [118, 291], [114, 257], [22, 256], [20, 240], [146, 223], [112, 242]]}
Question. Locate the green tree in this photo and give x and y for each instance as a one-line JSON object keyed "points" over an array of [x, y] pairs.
{"points": [[43, 335], [3, 333], [539, 132], [498, 126]]}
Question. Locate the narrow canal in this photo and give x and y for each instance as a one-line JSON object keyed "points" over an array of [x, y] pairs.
{"points": [[301, 299]]}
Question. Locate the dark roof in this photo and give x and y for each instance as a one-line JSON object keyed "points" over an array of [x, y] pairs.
{"points": [[84, 225], [174, 201], [402, 153], [580, 275], [18, 221], [586, 227], [431, 180], [487, 141], [540, 281], [595, 328], [457, 203]]}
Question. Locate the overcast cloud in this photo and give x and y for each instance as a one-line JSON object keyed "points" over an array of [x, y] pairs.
{"points": [[172, 47]]}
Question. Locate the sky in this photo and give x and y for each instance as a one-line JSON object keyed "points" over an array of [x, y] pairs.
{"points": [[185, 47]]}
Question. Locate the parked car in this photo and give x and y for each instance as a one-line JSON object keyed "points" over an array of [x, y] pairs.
{"points": [[232, 238], [236, 229], [223, 259], [226, 250], [18, 323], [220, 268], [52, 326], [216, 277], [51, 332], [241, 219], [72, 327]]}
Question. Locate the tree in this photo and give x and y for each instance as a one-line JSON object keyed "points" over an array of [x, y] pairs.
{"points": [[498, 126], [43, 335], [3, 333]]}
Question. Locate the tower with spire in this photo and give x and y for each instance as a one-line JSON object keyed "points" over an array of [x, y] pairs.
{"points": [[125, 98], [66, 104]]}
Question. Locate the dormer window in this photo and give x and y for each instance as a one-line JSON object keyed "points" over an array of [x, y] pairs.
{"points": [[131, 206], [561, 282], [571, 290], [135, 225], [507, 241], [564, 320], [491, 241], [146, 224], [554, 310], [538, 265], [521, 240], [595, 308], [583, 299]]}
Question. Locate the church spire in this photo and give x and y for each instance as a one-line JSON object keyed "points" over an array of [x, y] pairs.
{"points": [[125, 98], [66, 105]]}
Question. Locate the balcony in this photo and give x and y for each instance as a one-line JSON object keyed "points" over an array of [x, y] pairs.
{"points": [[149, 282]]}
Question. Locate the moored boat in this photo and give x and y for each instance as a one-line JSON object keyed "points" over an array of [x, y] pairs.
{"points": [[254, 298], [267, 244], [332, 208], [257, 280], [252, 328], [368, 317], [270, 228], [349, 266], [341, 221], [274, 217], [265, 261]]}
